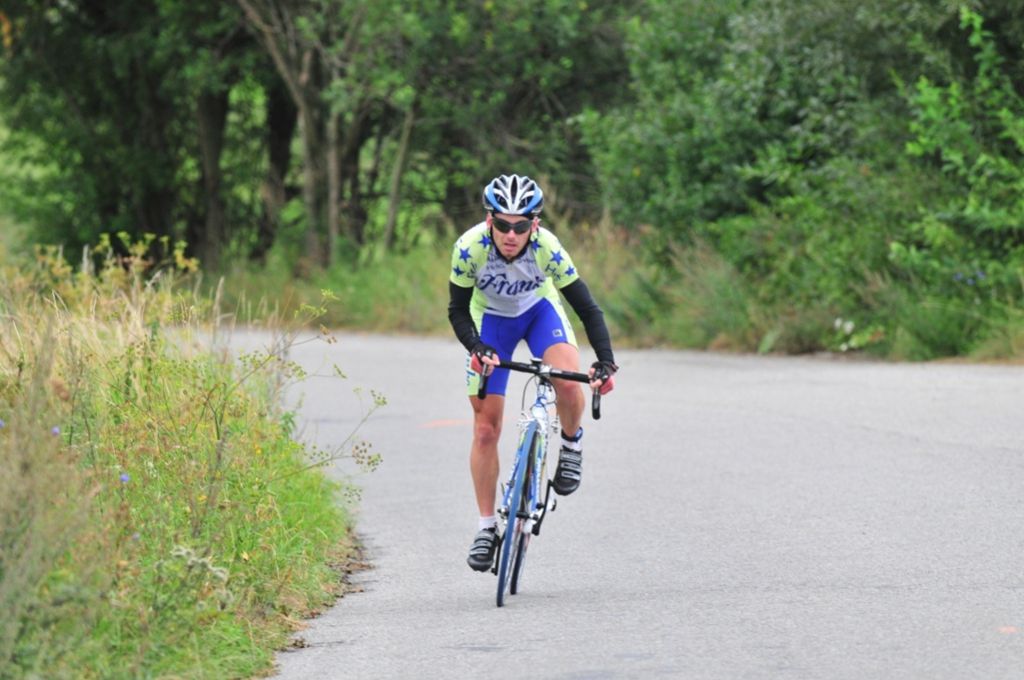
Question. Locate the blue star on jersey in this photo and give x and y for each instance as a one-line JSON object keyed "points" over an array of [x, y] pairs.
{"points": [[485, 241], [557, 257], [463, 254]]}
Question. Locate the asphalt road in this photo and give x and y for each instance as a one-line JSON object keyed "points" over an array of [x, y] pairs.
{"points": [[740, 517]]}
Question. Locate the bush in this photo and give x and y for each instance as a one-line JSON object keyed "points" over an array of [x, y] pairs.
{"points": [[970, 244]]}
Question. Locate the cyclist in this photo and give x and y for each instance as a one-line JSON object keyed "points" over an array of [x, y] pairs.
{"points": [[505, 275]]}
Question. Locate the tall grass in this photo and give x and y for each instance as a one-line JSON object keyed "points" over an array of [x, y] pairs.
{"points": [[698, 302], [400, 292], [44, 498], [157, 518], [683, 296]]}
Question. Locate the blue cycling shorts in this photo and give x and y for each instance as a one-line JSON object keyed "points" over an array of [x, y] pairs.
{"points": [[542, 326]]}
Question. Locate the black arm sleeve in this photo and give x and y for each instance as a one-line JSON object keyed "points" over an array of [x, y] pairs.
{"points": [[578, 296], [459, 316]]}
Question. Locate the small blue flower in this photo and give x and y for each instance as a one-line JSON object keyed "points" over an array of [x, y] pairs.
{"points": [[980, 274], [970, 282], [125, 478], [2, 424], [958, 277], [55, 431]]}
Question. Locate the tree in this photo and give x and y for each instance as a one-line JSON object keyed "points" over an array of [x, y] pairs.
{"points": [[124, 105], [167, 117], [76, 79]]}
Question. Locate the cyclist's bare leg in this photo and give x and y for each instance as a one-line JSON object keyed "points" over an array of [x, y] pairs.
{"points": [[571, 400], [483, 456]]}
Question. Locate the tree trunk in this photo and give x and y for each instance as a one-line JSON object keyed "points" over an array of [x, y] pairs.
{"points": [[296, 63], [357, 213], [349, 173], [311, 186], [378, 147], [212, 112], [154, 198], [394, 191], [282, 119], [333, 188]]}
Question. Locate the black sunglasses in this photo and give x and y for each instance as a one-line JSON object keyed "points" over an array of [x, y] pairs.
{"points": [[505, 227]]}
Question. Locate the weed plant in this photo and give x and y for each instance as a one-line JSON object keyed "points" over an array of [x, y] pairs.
{"points": [[157, 517]]}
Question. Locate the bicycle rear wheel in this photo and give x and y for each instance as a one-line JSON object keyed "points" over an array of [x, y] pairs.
{"points": [[508, 541], [522, 538]]}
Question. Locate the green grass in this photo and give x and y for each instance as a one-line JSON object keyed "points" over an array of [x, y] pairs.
{"points": [[405, 292], [170, 526], [687, 297]]}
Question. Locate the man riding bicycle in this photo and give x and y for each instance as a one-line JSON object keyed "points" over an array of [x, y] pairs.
{"points": [[505, 277]]}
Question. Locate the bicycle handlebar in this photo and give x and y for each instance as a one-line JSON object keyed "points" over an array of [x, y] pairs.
{"points": [[546, 372]]}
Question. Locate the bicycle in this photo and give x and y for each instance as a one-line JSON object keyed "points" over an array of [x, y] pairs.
{"points": [[529, 471]]}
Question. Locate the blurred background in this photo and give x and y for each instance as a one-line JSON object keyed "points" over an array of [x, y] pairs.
{"points": [[829, 175]]}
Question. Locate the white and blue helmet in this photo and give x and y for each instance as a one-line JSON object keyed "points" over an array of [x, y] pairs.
{"points": [[513, 195]]}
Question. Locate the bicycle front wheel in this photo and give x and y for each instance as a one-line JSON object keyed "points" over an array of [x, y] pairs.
{"points": [[522, 542], [522, 538], [508, 541]]}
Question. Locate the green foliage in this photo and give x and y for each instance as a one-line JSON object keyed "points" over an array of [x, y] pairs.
{"points": [[498, 84], [157, 517], [102, 104], [175, 118], [774, 147], [774, 134], [396, 291], [728, 110], [701, 302], [1004, 337], [970, 246]]}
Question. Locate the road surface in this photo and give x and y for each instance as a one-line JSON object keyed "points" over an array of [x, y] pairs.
{"points": [[740, 517]]}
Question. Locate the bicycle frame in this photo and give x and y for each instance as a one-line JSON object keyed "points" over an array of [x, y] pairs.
{"points": [[523, 518], [535, 420]]}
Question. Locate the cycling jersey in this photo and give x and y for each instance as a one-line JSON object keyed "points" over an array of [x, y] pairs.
{"points": [[500, 302], [510, 288]]}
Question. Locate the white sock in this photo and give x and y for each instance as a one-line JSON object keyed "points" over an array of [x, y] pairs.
{"points": [[488, 522], [574, 445]]}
